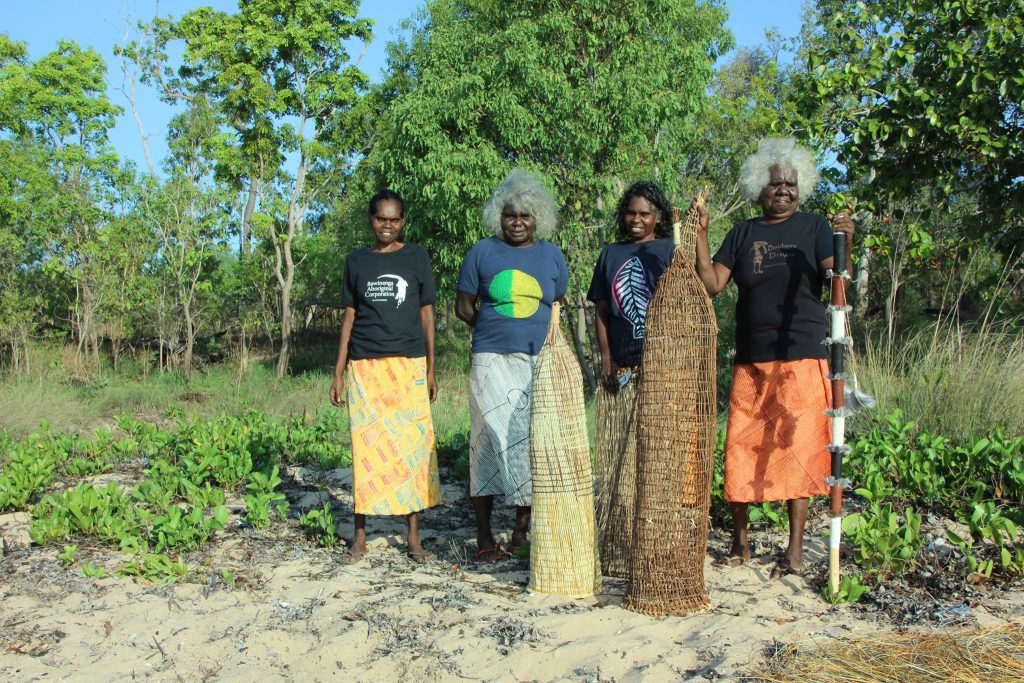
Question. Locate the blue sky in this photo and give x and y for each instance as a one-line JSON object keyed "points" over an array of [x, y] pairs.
{"points": [[101, 23]]}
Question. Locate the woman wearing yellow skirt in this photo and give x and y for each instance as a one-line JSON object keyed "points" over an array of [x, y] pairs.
{"points": [[387, 349]]}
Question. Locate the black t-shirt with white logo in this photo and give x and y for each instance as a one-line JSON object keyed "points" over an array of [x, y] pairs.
{"points": [[779, 313], [387, 291]]}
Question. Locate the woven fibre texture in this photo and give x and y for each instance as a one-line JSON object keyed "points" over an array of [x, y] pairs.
{"points": [[675, 445], [615, 475], [563, 534]]}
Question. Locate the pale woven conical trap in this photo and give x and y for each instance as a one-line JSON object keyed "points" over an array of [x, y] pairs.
{"points": [[675, 441], [563, 545]]}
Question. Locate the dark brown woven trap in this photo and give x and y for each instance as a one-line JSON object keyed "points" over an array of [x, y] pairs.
{"points": [[615, 475], [675, 442]]}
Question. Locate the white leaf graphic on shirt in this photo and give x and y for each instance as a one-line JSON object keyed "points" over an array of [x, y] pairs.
{"points": [[631, 294]]}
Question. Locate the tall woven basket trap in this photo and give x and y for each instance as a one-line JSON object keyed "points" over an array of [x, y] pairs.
{"points": [[563, 543], [675, 442]]}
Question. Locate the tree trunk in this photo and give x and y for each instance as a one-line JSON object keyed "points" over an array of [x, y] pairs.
{"points": [[190, 339], [579, 310], [250, 206], [286, 327], [863, 274]]}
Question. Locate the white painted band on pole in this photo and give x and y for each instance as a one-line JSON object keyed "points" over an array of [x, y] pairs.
{"points": [[838, 324], [838, 430], [835, 532]]}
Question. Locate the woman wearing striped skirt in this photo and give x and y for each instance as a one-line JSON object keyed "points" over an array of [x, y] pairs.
{"points": [[778, 430], [387, 353], [506, 286]]}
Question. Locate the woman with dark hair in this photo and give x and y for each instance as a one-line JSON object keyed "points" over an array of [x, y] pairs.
{"points": [[777, 433], [621, 288], [387, 353]]}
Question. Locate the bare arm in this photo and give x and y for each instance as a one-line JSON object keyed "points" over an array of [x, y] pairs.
{"points": [[427, 323], [465, 308], [713, 274], [337, 392], [608, 368]]}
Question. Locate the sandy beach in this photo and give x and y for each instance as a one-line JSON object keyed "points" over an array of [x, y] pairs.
{"points": [[288, 611]]}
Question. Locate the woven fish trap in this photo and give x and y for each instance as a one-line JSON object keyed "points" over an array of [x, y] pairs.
{"points": [[563, 531], [675, 443], [615, 475]]}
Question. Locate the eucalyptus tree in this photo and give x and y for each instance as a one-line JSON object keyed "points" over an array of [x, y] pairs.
{"points": [[591, 94], [280, 76]]}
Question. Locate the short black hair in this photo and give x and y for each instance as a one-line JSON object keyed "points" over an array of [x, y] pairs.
{"points": [[652, 192], [383, 196]]}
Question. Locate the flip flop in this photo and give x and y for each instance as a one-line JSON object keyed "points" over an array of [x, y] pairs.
{"points": [[349, 557], [421, 557], [487, 555]]}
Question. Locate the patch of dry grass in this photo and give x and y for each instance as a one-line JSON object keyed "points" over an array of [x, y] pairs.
{"points": [[962, 655]]}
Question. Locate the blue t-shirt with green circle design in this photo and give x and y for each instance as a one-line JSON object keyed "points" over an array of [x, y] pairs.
{"points": [[515, 287]]}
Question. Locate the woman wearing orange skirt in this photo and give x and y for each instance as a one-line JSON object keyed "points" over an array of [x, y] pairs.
{"points": [[387, 352], [778, 429]]}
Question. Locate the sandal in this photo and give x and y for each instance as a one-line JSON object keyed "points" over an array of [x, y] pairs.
{"points": [[487, 555]]}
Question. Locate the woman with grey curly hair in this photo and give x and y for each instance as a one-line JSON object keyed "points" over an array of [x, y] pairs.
{"points": [[778, 430], [506, 286]]}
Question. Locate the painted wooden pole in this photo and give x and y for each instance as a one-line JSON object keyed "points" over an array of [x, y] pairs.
{"points": [[837, 343]]}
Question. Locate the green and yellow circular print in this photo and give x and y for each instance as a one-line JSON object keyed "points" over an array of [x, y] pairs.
{"points": [[515, 294]]}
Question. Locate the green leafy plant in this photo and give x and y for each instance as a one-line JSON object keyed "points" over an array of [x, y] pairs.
{"points": [[67, 555], [772, 515], [319, 525], [93, 571], [263, 499], [156, 567], [851, 589], [885, 544]]}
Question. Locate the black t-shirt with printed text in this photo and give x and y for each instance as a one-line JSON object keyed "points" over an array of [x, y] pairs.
{"points": [[779, 314], [387, 291]]}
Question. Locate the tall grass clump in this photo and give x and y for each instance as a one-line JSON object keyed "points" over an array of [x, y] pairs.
{"points": [[953, 379]]}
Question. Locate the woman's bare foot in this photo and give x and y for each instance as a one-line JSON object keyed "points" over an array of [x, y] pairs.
{"points": [[738, 555], [518, 540]]}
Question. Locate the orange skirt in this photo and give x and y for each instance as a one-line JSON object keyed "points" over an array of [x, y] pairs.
{"points": [[778, 431]]}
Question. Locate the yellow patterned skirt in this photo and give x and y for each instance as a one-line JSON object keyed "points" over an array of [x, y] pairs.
{"points": [[394, 459]]}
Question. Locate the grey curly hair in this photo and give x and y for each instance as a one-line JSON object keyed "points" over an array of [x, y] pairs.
{"points": [[770, 152], [524, 191]]}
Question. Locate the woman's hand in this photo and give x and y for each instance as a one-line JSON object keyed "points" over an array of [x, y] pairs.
{"points": [[431, 385], [338, 393], [703, 220], [843, 222], [609, 375]]}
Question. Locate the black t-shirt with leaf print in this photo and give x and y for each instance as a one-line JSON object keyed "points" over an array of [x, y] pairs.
{"points": [[625, 276]]}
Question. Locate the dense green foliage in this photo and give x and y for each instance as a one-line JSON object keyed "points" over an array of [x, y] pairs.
{"points": [[231, 243], [180, 501]]}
